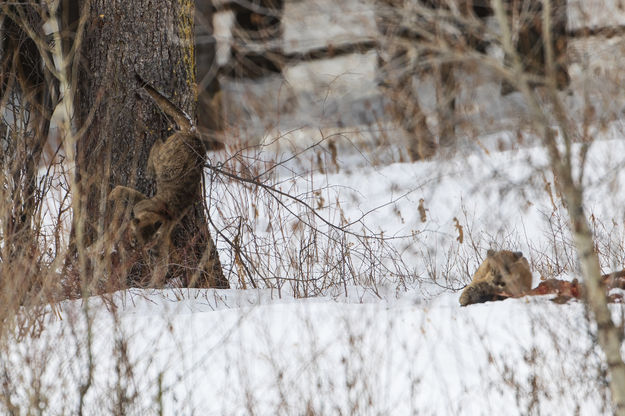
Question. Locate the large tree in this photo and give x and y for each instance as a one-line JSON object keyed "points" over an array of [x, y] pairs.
{"points": [[117, 125]]}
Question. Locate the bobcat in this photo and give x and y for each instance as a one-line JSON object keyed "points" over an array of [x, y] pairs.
{"points": [[176, 164], [503, 274]]}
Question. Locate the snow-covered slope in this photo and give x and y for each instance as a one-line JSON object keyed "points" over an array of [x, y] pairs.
{"points": [[248, 354], [389, 347]]}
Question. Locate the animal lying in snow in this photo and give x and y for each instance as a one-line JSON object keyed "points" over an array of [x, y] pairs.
{"points": [[503, 274], [506, 274]]}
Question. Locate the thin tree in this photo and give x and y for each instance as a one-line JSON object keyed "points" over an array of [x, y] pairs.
{"points": [[27, 94]]}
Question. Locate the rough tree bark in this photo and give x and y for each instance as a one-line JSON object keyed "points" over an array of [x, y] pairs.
{"points": [[153, 38]]}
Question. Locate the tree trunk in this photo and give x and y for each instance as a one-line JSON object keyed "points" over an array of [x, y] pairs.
{"points": [[608, 334], [155, 40]]}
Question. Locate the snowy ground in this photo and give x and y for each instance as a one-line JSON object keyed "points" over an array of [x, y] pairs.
{"points": [[235, 352], [360, 348]]}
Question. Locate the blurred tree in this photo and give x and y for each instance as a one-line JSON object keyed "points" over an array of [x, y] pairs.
{"points": [[209, 113], [436, 36], [256, 48]]}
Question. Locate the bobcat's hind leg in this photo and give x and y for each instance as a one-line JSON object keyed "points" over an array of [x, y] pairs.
{"points": [[124, 199]]}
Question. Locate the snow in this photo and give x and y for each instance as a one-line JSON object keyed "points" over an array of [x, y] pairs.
{"points": [[392, 356], [399, 346]]}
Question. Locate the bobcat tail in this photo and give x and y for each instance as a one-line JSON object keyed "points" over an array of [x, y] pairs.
{"points": [[183, 120]]}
